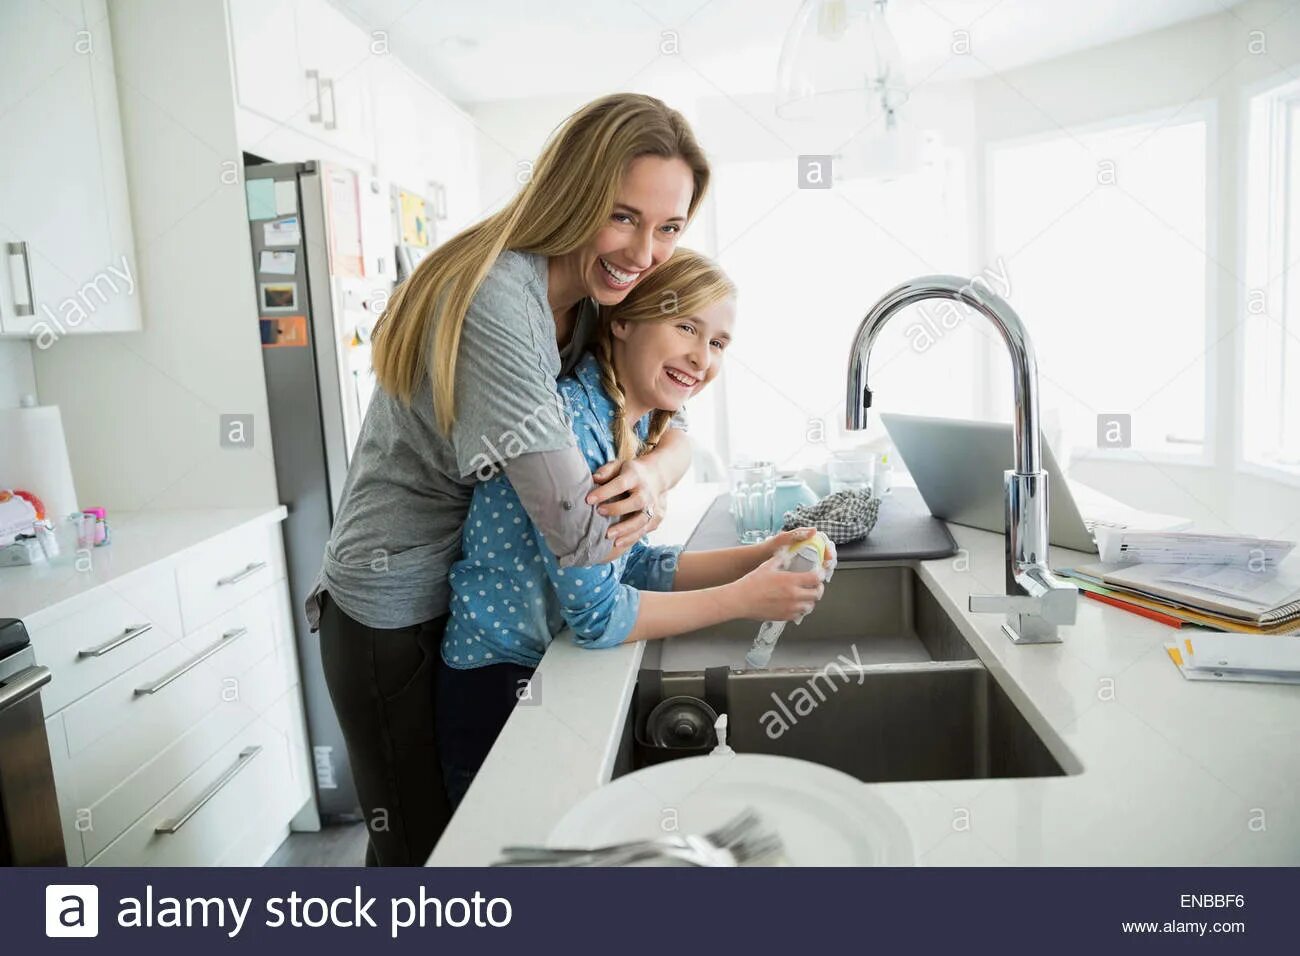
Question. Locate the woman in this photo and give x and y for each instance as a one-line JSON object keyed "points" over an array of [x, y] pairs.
{"points": [[660, 346], [465, 360]]}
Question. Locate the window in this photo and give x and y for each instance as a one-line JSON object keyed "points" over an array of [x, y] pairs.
{"points": [[1103, 235], [1270, 317], [809, 263]]}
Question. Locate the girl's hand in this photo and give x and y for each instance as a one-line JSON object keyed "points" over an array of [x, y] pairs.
{"points": [[779, 542], [626, 489], [770, 594]]}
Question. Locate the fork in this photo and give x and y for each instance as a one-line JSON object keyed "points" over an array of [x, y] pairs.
{"points": [[734, 843]]}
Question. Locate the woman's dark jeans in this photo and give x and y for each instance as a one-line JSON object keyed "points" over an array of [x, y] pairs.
{"points": [[383, 683]]}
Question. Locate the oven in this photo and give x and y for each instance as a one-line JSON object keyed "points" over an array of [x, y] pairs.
{"points": [[30, 833]]}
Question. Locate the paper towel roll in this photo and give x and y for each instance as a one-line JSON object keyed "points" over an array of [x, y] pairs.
{"points": [[34, 457]]}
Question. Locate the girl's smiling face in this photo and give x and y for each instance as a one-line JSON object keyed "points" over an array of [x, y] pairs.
{"points": [[662, 363]]}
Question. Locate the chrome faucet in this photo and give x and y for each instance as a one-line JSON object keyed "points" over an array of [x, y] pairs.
{"points": [[1037, 601]]}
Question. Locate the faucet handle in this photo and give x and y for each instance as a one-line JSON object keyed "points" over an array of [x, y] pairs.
{"points": [[1031, 618], [1003, 604]]}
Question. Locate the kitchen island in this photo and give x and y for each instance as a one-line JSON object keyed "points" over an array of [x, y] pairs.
{"points": [[1161, 771]]}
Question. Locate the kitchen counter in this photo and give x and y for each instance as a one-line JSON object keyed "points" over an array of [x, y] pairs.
{"points": [[138, 540], [1171, 772]]}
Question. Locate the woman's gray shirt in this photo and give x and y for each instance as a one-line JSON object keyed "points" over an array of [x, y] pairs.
{"points": [[408, 488]]}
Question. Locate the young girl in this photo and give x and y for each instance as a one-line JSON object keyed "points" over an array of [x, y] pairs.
{"points": [[654, 350]]}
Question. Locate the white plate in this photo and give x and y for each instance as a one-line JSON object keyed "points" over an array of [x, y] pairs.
{"points": [[824, 817]]}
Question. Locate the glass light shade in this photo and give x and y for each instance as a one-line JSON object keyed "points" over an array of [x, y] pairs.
{"points": [[839, 63]]}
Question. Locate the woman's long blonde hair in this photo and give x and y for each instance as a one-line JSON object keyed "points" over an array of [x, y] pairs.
{"points": [[571, 194], [682, 286]]}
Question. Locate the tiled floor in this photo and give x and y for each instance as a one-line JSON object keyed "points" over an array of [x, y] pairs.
{"points": [[343, 844]]}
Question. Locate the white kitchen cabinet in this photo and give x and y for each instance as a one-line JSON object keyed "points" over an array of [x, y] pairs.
{"points": [[424, 143], [269, 76], [339, 52], [304, 67], [66, 243], [200, 718]]}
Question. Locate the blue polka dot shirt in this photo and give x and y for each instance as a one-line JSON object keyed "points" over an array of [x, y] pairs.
{"points": [[510, 597]]}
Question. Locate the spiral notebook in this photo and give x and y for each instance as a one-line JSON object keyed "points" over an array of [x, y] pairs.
{"points": [[1263, 600]]}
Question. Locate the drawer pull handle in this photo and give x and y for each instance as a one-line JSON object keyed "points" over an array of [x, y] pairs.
{"points": [[245, 758], [129, 634], [192, 663], [314, 76], [20, 249], [238, 576]]}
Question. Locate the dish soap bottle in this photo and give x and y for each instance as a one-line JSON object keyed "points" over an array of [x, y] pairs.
{"points": [[802, 556], [884, 476]]}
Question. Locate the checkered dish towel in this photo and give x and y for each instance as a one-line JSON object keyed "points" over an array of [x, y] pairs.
{"points": [[843, 516]]}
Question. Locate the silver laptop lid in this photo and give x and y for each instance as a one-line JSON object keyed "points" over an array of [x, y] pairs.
{"points": [[958, 464]]}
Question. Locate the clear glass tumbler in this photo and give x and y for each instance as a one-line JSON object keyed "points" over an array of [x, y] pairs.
{"points": [[753, 500], [851, 471]]}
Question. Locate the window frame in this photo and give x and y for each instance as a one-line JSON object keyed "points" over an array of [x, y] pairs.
{"points": [[1283, 92]]}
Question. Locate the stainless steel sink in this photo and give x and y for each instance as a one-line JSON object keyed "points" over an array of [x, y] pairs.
{"points": [[878, 682], [875, 614]]}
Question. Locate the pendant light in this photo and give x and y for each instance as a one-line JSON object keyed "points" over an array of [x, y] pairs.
{"points": [[840, 66]]}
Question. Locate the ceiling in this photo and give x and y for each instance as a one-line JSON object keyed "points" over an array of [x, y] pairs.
{"points": [[479, 50]]}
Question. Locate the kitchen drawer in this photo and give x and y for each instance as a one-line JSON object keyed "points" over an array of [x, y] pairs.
{"points": [[227, 570], [119, 779], [95, 637], [269, 831], [128, 727], [61, 766], [245, 784], [110, 815]]}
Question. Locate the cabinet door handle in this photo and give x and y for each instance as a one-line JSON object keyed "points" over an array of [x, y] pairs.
{"points": [[442, 201], [130, 634], [192, 663], [19, 249], [16, 689], [243, 760], [314, 76], [332, 122], [248, 571]]}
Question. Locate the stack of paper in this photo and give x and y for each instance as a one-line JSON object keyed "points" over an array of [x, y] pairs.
{"points": [[1211, 595], [1237, 657], [1226, 584]]}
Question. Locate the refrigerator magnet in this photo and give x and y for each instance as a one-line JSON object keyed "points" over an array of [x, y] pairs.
{"points": [[288, 331], [281, 232], [279, 296], [277, 262]]}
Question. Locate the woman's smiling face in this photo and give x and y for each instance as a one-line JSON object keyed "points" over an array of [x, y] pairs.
{"points": [[642, 231], [662, 363]]}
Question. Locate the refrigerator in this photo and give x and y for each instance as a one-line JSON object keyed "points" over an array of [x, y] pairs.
{"points": [[322, 258]]}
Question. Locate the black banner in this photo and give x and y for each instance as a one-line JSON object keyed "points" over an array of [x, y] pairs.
{"points": [[649, 910]]}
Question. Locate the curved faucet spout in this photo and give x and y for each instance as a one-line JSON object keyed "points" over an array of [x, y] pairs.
{"points": [[1036, 601], [974, 294]]}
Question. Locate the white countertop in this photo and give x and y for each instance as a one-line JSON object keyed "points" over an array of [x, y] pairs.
{"points": [[138, 540], [1173, 772]]}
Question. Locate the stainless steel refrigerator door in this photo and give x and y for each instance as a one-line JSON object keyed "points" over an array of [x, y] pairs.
{"points": [[300, 362]]}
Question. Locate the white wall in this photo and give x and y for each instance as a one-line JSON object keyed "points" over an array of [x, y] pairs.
{"points": [[1205, 59], [17, 372], [141, 410]]}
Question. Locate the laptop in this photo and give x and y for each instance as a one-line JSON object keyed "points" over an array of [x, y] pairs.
{"points": [[957, 466]]}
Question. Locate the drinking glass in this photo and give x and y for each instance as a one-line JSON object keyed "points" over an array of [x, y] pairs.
{"points": [[851, 471], [753, 500]]}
